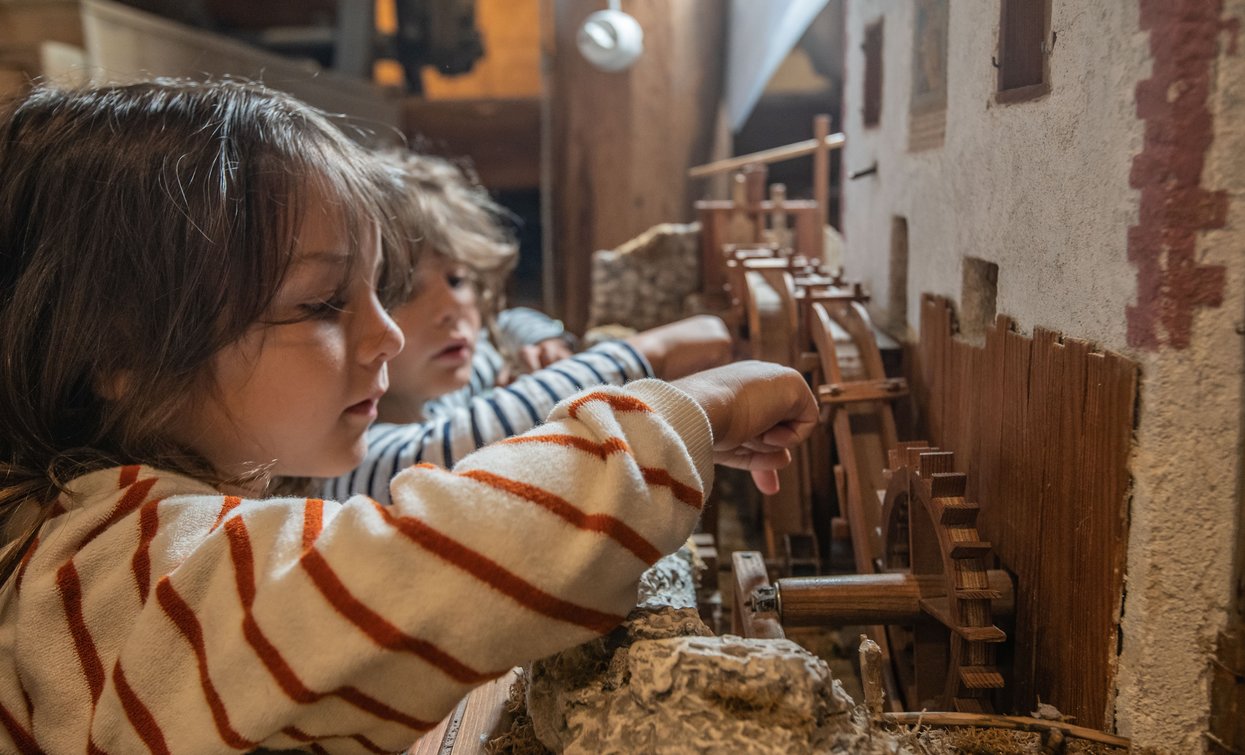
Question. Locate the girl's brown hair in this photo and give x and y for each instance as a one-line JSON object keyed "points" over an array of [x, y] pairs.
{"points": [[143, 228]]}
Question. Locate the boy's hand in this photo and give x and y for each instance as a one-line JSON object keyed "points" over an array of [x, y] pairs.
{"points": [[684, 347], [758, 412], [535, 356]]}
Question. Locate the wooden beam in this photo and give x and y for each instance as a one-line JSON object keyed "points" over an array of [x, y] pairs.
{"points": [[766, 156], [619, 144], [859, 599], [501, 136]]}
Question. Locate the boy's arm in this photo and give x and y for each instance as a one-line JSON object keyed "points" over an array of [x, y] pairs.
{"points": [[532, 340], [458, 430], [521, 326]]}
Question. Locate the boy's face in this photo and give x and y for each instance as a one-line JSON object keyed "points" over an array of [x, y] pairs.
{"points": [[441, 323], [301, 388]]}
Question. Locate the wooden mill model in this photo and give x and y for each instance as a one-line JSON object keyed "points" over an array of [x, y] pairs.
{"points": [[923, 587]]}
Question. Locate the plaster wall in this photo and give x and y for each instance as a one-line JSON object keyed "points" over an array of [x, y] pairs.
{"points": [[1187, 466], [1042, 189]]}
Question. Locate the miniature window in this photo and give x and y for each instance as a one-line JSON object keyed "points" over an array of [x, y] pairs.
{"points": [[873, 74], [927, 107], [1024, 30], [898, 299], [978, 298]]}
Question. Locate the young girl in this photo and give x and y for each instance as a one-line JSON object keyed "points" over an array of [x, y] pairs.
{"points": [[444, 399], [189, 317]]}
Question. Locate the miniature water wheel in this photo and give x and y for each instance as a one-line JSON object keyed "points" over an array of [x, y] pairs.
{"points": [[947, 658], [935, 596]]}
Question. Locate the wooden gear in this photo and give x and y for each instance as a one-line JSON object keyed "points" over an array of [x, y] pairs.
{"points": [[933, 603], [773, 290], [947, 660]]}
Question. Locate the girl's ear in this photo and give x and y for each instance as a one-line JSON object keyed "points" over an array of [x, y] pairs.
{"points": [[114, 386]]}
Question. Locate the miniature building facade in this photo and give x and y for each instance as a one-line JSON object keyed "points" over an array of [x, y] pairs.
{"points": [[1104, 202]]}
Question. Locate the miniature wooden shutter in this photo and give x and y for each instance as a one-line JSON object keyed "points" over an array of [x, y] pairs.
{"points": [[872, 110], [1023, 34]]}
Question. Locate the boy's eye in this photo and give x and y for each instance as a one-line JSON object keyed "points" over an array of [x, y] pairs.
{"points": [[458, 277]]}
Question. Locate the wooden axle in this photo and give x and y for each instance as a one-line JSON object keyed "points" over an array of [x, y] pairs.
{"points": [[883, 389], [868, 599]]}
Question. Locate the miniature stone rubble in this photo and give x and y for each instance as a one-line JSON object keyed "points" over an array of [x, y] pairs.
{"points": [[646, 282], [663, 683]]}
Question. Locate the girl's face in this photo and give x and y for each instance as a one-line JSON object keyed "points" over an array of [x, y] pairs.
{"points": [[441, 323], [300, 388]]}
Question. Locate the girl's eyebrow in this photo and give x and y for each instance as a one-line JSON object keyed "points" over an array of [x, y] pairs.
{"points": [[327, 257]]}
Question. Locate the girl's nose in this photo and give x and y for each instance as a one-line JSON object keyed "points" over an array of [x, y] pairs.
{"points": [[382, 339]]}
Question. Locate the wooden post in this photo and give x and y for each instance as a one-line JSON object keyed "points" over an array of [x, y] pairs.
{"points": [[821, 174], [620, 144]]}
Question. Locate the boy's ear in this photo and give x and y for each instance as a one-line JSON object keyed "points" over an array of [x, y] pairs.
{"points": [[113, 386]]}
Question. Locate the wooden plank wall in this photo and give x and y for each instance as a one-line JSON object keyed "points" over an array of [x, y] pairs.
{"points": [[1043, 427]]}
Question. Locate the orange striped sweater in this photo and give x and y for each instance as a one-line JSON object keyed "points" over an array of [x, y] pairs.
{"points": [[156, 615]]}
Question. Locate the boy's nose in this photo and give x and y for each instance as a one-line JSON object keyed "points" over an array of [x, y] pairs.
{"points": [[448, 306]]}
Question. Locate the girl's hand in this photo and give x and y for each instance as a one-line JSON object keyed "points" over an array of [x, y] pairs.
{"points": [[758, 411]]}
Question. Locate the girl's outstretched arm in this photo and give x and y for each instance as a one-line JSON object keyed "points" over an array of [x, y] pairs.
{"points": [[155, 613], [458, 430]]}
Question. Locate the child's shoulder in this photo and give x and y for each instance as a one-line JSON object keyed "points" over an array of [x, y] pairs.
{"points": [[160, 514], [135, 483], [136, 498]]}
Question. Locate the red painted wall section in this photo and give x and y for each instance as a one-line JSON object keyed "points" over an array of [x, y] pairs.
{"points": [[1185, 38]]}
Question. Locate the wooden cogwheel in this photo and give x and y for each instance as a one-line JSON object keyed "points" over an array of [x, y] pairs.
{"points": [[947, 661]]}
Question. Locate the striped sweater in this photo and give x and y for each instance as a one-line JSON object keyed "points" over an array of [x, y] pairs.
{"points": [[154, 614], [480, 414]]}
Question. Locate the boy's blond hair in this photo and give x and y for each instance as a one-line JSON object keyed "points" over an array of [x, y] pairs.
{"points": [[439, 206]]}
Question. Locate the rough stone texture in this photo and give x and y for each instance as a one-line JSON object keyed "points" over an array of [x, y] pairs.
{"points": [[662, 683], [670, 582], [646, 281], [1043, 189]]}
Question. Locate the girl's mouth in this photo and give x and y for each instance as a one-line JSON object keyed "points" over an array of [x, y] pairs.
{"points": [[365, 408]]}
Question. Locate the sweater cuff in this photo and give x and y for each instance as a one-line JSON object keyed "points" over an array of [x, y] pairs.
{"points": [[686, 417]]}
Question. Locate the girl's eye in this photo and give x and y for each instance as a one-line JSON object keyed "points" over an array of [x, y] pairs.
{"points": [[457, 279], [325, 308]]}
